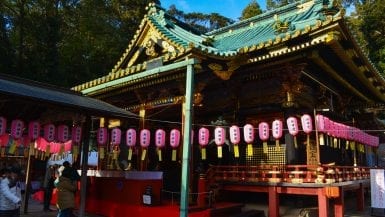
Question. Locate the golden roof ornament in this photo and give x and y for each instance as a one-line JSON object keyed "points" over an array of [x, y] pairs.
{"points": [[280, 26]]}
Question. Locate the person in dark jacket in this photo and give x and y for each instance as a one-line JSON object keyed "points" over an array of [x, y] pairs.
{"points": [[66, 189], [48, 186]]}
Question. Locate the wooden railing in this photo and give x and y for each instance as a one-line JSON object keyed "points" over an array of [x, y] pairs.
{"points": [[287, 173]]}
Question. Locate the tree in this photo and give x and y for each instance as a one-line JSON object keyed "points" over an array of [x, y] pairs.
{"points": [[200, 21], [65, 42], [251, 10], [272, 4], [367, 24]]}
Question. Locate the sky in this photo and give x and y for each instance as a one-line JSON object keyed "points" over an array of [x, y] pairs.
{"points": [[228, 8]]}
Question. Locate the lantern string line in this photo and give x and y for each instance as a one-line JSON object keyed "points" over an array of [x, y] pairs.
{"points": [[255, 128]]}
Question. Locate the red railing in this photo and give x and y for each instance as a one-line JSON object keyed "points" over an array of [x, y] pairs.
{"points": [[287, 173]]}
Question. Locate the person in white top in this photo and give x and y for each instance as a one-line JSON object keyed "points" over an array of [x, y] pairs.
{"points": [[10, 194]]}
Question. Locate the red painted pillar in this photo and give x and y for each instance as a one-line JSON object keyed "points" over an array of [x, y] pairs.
{"points": [[360, 198], [273, 202], [201, 202], [339, 204], [323, 203]]}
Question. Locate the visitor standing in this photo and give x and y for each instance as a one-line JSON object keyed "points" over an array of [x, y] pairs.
{"points": [[66, 189], [10, 193], [48, 186]]}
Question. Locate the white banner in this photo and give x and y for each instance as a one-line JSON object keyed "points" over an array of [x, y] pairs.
{"points": [[377, 186], [92, 158]]}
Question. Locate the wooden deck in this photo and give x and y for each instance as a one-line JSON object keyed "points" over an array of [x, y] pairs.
{"points": [[325, 182]]}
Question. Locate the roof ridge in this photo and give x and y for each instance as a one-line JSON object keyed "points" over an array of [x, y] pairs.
{"points": [[261, 17]]}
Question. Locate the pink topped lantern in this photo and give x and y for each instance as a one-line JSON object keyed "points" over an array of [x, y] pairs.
{"points": [[203, 137], [160, 138], [76, 139], [144, 141], [174, 142], [276, 131], [62, 133], [321, 127], [33, 134], [160, 141], [76, 134], [307, 126], [116, 136], [235, 138], [248, 136], [49, 132], [219, 138], [292, 125], [3, 125], [130, 141], [306, 122], [17, 128], [263, 128], [131, 137], [203, 140], [62, 136], [102, 136]]}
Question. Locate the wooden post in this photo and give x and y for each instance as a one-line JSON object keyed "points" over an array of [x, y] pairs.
{"points": [[83, 177], [273, 202], [323, 203], [201, 201], [339, 204], [360, 198]]}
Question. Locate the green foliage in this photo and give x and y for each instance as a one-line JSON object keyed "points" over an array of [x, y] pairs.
{"points": [[201, 22], [272, 4], [367, 22], [251, 10], [65, 42]]}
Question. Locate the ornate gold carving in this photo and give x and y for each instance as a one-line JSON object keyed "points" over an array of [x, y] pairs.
{"points": [[224, 75], [279, 25], [150, 49]]}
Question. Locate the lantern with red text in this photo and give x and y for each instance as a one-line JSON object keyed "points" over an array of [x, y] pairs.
{"points": [[203, 140], [248, 136], [235, 138], [33, 134], [76, 139], [263, 128], [307, 126], [321, 127], [174, 142], [101, 137], [144, 142], [160, 142], [292, 125], [116, 138], [62, 137], [16, 133], [49, 136], [17, 129], [276, 131], [219, 138], [130, 141]]}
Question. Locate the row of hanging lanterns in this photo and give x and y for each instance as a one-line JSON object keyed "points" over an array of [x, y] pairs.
{"points": [[56, 139], [342, 131], [62, 135]]}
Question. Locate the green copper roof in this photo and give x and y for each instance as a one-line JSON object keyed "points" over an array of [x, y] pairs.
{"points": [[261, 28], [228, 40]]}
